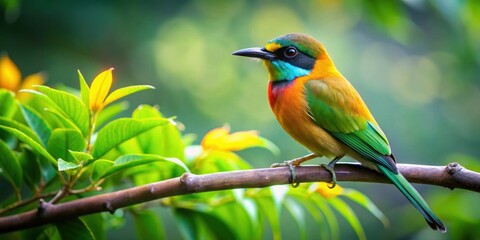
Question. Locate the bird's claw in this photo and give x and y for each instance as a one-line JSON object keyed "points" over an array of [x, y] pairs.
{"points": [[330, 169], [291, 164], [293, 176]]}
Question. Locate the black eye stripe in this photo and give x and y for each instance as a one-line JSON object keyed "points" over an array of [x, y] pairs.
{"points": [[298, 59]]}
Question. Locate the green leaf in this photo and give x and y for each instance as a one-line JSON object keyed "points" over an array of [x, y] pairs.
{"points": [[100, 168], [365, 202], [271, 207], [129, 161], [47, 232], [10, 166], [224, 212], [298, 213], [36, 123], [109, 112], [253, 212], [149, 173], [64, 165], [265, 143], [31, 168], [164, 140], [96, 223], [185, 220], [317, 214], [221, 161], [80, 156], [123, 92], [279, 193], [36, 147], [69, 106], [321, 203], [74, 229], [7, 103], [349, 215], [120, 130], [199, 225], [84, 90], [20, 127], [64, 139], [116, 220], [329, 216], [63, 121], [148, 225], [130, 146]]}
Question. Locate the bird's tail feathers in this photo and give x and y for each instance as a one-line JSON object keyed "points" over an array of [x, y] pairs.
{"points": [[414, 197]]}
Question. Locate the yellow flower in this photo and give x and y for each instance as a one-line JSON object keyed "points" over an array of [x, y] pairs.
{"points": [[221, 139], [11, 78], [326, 192]]}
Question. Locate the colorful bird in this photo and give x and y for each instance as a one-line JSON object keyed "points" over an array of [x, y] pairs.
{"points": [[319, 108]]}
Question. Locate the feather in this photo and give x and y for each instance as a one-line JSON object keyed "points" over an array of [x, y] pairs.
{"points": [[347, 119]]}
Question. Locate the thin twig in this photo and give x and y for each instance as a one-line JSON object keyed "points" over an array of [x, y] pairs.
{"points": [[60, 194], [26, 202], [451, 176]]}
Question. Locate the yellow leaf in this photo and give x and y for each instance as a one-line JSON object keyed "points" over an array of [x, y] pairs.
{"points": [[242, 140], [327, 192], [9, 74], [28, 83], [214, 137], [99, 89], [33, 79], [221, 139], [84, 90]]}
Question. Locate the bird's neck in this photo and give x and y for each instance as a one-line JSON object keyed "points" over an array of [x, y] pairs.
{"points": [[324, 68]]}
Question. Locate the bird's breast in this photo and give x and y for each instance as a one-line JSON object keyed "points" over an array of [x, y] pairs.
{"points": [[288, 103], [275, 89]]}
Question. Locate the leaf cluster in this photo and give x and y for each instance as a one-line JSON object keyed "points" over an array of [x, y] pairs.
{"points": [[58, 146]]}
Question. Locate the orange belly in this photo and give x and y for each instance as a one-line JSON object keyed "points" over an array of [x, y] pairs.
{"points": [[289, 105]]}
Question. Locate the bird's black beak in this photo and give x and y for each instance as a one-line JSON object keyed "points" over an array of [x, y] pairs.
{"points": [[255, 53]]}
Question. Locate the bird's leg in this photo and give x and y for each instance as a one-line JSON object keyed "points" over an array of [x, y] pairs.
{"points": [[295, 161], [291, 164], [329, 167]]}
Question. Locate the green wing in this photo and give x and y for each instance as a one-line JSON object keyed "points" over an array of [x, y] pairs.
{"points": [[339, 113]]}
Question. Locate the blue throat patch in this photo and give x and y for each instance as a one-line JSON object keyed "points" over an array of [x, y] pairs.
{"points": [[285, 71]]}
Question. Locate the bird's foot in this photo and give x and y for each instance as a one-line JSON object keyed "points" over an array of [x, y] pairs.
{"points": [[291, 164], [330, 167], [332, 171]]}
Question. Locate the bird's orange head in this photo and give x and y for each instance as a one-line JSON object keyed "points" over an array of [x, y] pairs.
{"points": [[290, 56]]}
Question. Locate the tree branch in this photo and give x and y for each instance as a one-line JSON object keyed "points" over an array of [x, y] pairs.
{"points": [[451, 176]]}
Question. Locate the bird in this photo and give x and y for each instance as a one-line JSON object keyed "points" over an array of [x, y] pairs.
{"points": [[319, 108]]}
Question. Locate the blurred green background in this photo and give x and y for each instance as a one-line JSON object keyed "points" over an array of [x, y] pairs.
{"points": [[416, 63]]}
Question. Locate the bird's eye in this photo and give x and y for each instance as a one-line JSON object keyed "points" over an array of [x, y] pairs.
{"points": [[290, 52]]}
